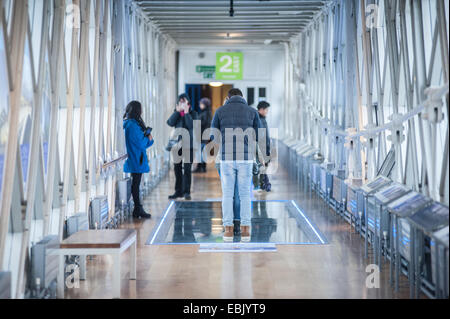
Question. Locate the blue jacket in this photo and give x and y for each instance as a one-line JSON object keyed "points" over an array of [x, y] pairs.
{"points": [[236, 114], [137, 145]]}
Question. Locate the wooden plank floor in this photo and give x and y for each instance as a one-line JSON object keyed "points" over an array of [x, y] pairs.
{"points": [[336, 270]]}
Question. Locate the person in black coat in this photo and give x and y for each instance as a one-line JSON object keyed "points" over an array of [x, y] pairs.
{"points": [[183, 117], [262, 181], [205, 117]]}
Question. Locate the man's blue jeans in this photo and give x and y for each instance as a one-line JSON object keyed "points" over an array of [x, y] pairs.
{"points": [[236, 202], [240, 172]]}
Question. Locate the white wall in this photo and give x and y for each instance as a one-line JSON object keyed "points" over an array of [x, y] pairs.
{"points": [[263, 67]]}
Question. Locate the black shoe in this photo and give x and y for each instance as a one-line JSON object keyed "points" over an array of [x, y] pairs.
{"points": [[175, 196], [142, 215], [187, 196], [198, 170], [139, 212]]}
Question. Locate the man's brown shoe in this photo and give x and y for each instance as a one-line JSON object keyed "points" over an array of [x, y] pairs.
{"points": [[229, 234], [245, 233]]}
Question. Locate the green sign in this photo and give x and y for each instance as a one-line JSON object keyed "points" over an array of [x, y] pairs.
{"points": [[229, 66], [207, 70]]}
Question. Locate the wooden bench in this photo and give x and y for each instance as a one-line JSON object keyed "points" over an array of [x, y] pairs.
{"points": [[97, 242]]}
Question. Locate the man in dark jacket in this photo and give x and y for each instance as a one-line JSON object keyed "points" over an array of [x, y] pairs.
{"points": [[205, 117], [262, 181], [238, 124], [183, 117]]}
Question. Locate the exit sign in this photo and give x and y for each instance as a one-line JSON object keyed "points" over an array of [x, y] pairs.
{"points": [[229, 66]]}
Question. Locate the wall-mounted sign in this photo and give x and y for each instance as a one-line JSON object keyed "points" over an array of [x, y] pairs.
{"points": [[229, 66], [207, 70]]}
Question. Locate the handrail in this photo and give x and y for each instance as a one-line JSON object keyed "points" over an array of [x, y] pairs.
{"points": [[114, 162]]}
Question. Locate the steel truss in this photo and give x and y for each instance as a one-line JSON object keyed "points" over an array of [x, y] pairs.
{"points": [[371, 75], [68, 69]]}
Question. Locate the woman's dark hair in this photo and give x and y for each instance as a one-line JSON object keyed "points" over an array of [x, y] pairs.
{"points": [[134, 111], [185, 97], [206, 102]]}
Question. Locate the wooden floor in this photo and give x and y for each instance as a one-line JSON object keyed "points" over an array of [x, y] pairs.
{"points": [[336, 270]]}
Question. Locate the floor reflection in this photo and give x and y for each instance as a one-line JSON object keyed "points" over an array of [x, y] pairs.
{"points": [[279, 222]]}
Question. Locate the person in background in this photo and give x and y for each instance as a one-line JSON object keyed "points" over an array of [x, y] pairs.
{"points": [[238, 164], [137, 138], [205, 116], [261, 181], [183, 117]]}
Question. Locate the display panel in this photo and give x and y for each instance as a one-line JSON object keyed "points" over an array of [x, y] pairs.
{"points": [[391, 192], [338, 192], [323, 180], [377, 183], [431, 218], [408, 204], [388, 164], [442, 235]]}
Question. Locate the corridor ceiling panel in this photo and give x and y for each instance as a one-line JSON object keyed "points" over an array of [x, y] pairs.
{"points": [[209, 21]]}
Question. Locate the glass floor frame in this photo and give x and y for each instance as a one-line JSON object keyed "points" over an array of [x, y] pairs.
{"points": [[274, 222]]}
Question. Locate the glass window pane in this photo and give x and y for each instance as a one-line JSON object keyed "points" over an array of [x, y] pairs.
{"points": [[25, 112], [35, 10], [45, 119], [4, 106]]}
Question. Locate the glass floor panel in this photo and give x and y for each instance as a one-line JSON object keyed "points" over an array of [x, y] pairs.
{"points": [[197, 223]]}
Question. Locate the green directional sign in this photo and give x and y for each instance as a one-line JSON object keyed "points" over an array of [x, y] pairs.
{"points": [[208, 71], [229, 66]]}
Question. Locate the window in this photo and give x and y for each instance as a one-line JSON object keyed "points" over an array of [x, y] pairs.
{"points": [[262, 94], [250, 96]]}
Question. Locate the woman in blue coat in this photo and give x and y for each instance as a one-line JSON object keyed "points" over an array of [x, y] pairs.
{"points": [[137, 138]]}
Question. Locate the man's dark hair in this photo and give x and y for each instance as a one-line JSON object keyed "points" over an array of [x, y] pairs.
{"points": [[235, 92], [263, 105], [185, 97]]}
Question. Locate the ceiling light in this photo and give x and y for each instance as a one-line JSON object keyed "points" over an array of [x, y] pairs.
{"points": [[289, 12], [216, 84], [267, 42]]}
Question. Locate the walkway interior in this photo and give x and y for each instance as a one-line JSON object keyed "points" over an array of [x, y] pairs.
{"points": [[335, 270]]}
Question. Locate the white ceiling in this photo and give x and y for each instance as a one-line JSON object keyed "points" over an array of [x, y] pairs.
{"points": [[209, 21]]}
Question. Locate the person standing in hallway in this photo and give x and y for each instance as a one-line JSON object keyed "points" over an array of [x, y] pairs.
{"points": [[205, 117], [238, 149], [137, 138], [261, 181], [183, 117]]}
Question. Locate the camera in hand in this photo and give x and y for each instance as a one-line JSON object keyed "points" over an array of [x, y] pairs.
{"points": [[148, 131]]}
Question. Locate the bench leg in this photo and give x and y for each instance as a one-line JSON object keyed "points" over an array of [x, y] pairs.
{"points": [[133, 261], [61, 282], [116, 276], [83, 267]]}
